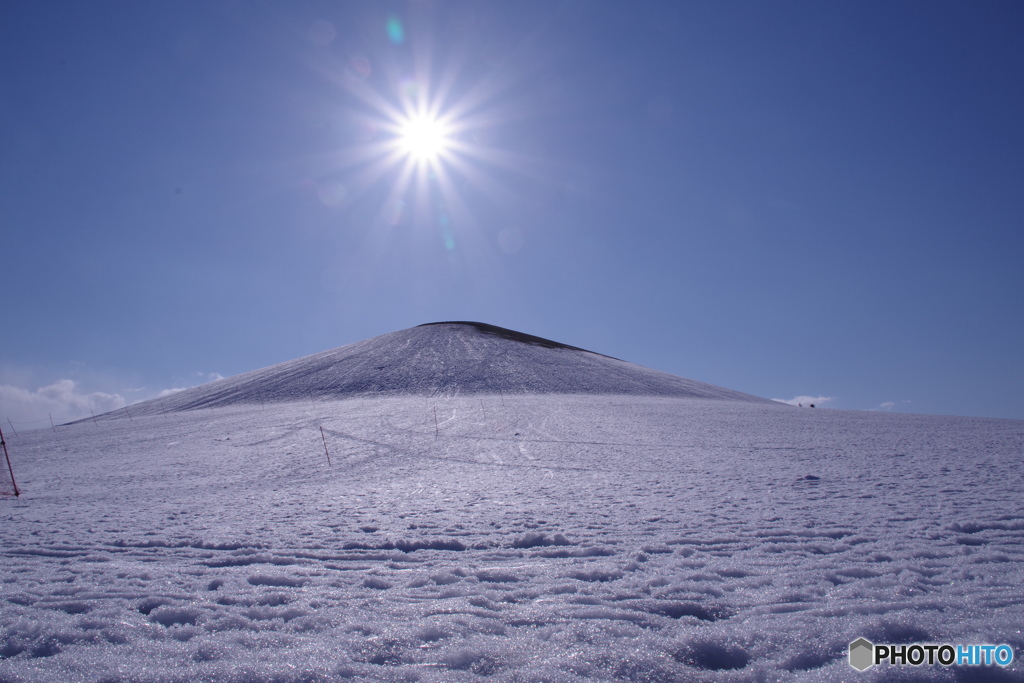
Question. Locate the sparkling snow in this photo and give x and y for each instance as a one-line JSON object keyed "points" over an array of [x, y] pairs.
{"points": [[513, 537]]}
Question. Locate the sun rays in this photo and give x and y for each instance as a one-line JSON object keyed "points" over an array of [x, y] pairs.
{"points": [[430, 168], [424, 138]]}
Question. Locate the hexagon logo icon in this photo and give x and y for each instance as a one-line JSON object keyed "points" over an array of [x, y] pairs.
{"points": [[862, 654]]}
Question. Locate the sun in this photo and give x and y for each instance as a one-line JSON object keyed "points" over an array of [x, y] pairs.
{"points": [[424, 138]]}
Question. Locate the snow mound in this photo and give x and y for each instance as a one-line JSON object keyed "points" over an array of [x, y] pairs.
{"points": [[441, 359]]}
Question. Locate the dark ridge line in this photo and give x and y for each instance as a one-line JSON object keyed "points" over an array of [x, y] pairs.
{"points": [[513, 335]]}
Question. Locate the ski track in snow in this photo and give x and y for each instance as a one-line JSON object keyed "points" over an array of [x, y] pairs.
{"points": [[517, 538]]}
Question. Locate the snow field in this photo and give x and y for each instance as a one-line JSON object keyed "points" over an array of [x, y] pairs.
{"points": [[515, 538]]}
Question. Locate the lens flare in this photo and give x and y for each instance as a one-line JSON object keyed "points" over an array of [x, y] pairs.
{"points": [[396, 32]]}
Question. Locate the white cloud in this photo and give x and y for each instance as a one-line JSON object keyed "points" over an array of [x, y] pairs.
{"points": [[203, 377], [889, 405], [63, 400], [806, 401]]}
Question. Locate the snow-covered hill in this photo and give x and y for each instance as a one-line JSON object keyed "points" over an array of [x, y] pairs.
{"points": [[611, 533], [452, 359]]}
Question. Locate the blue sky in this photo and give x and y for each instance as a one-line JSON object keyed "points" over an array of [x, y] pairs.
{"points": [[788, 199]]}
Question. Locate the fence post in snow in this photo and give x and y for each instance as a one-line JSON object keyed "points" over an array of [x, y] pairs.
{"points": [[325, 445], [435, 422], [12, 426], [8, 459], [52, 426]]}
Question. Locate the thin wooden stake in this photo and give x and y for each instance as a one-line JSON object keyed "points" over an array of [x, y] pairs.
{"points": [[128, 414], [12, 426], [325, 446], [435, 422], [54, 428], [9, 468], [93, 417]]}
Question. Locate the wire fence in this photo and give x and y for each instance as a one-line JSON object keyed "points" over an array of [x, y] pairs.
{"points": [[26, 425]]}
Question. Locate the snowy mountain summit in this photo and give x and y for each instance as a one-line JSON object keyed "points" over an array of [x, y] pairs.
{"points": [[448, 358], [463, 503]]}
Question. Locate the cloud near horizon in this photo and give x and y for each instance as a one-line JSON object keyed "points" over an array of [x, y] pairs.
{"points": [[62, 400], [203, 377], [806, 400]]}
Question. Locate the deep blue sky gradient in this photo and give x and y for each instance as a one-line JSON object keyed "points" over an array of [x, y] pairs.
{"points": [[786, 198]]}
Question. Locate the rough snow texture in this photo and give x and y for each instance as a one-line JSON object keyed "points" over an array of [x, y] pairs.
{"points": [[509, 538], [441, 359]]}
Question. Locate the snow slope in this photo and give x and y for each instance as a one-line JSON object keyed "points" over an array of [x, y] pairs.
{"points": [[527, 537], [441, 358]]}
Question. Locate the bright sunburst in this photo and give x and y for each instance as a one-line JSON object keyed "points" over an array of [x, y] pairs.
{"points": [[425, 145], [424, 138]]}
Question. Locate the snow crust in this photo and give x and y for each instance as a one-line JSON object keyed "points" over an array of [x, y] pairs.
{"points": [[441, 359], [554, 537]]}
